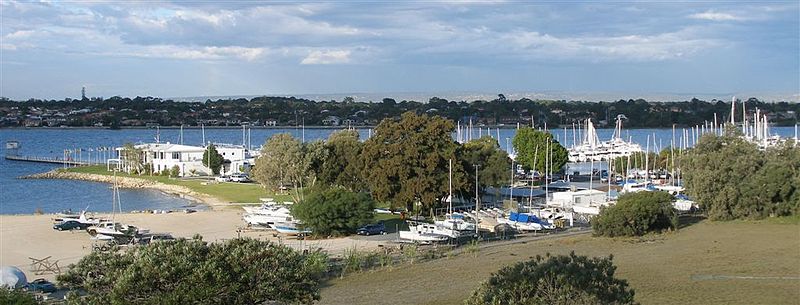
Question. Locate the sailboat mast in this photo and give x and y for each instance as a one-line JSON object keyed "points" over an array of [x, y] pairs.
{"points": [[451, 187]]}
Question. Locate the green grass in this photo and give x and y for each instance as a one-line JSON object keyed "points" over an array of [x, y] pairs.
{"points": [[229, 191], [662, 269]]}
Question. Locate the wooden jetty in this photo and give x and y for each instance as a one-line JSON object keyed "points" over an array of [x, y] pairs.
{"points": [[48, 160]]}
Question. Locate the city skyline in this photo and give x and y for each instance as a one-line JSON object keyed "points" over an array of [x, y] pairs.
{"points": [[179, 49]]}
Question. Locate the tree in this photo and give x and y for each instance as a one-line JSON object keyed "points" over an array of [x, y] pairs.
{"points": [[335, 211], [554, 280], [343, 165], [131, 159], [493, 163], [531, 145], [212, 159], [635, 214], [731, 178], [406, 161], [238, 271], [282, 162]]}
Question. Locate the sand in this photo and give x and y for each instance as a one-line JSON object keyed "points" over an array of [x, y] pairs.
{"points": [[24, 236]]}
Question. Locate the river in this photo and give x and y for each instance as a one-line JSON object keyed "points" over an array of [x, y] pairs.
{"points": [[19, 196]]}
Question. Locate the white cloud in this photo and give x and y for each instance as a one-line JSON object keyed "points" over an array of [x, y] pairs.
{"points": [[716, 16], [327, 57]]}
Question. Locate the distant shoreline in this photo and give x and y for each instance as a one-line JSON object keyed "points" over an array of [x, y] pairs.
{"points": [[309, 127]]}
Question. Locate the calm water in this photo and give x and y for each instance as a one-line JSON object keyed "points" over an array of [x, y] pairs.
{"points": [[25, 196]]}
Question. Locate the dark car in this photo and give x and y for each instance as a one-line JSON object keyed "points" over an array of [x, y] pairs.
{"points": [[41, 285], [372, 229], [70, 225]]}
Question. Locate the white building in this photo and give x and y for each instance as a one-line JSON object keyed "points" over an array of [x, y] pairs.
{"points": [[188, 159]]}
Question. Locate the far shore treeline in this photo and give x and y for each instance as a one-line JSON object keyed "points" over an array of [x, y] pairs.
{"points": [[290, 111]]}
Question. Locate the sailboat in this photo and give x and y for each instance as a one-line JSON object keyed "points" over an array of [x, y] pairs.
{"points": [[452, 220], [592, 149], [111, 230]]}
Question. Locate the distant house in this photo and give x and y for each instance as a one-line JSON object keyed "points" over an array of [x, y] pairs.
{"points": [[332, 121], [270, 123]]}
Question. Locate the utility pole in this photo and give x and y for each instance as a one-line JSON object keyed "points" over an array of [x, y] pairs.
{"points": [[477, 201]]}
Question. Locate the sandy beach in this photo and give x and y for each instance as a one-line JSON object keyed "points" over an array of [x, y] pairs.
{"points": [[26, 236]]}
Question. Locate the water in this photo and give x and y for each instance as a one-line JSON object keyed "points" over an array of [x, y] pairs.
{"points": [[25, 196]]}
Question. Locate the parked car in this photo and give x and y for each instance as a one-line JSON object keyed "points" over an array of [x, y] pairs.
{"points": [[70, 224], [41, 285], [223, 179], [240, 178], [372, 229]]}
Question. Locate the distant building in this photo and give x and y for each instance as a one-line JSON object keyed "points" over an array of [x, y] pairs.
{"points": [[331, 121]]}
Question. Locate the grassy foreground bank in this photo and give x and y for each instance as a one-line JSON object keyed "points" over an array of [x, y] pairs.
{"points": [[229, 191], [674, 268]]}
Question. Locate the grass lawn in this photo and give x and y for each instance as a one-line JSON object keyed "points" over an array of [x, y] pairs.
{"points": [[672, 268], [228, 191]]}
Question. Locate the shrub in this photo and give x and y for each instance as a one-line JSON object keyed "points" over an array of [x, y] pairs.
{"points": [[335, 211], [16, 296], [563, 279], [174, 171], [635, 214], [238, 271]]}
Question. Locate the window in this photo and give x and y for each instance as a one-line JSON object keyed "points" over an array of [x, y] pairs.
{"points": [[176, 155]]}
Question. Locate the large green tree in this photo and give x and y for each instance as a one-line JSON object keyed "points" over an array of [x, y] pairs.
{"points": [[335, 211], [131, 159], [493, 163], [406, 161], [237, 271], [531, 146], [730, 178], [344, 165], [212, 159], [555, 280]]}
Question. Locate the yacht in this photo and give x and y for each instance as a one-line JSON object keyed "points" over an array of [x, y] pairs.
{"points": [[268, 215], [290, 228], [456, 221], [591, 149], [525, 222], [425, 232]]}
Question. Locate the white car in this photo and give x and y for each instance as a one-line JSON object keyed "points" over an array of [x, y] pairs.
{"points": [[223, 179], [239, 178]]}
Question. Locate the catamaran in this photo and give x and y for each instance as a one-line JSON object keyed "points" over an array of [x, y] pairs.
{"points": [[591, 149]]}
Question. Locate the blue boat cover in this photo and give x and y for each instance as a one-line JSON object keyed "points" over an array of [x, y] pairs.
{"points": [[513, 216], [522, 218]]}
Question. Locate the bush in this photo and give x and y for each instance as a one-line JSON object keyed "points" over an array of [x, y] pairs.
{"points": [[16, 296], [635, 214], [174, 171], [238, 271], [563, 279], [335, 211]]}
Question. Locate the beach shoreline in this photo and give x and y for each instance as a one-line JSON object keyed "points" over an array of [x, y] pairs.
{"points": [[136, 183]]}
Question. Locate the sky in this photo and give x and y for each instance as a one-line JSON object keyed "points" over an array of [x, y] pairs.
{"points": [[50, 49]]}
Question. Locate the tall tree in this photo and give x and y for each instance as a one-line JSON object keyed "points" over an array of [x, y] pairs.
{"points": [[282, 162], [212, 159], [343, 165], [493, 163], [335, 211], [531, 145], [406, 161], [731, 178]]}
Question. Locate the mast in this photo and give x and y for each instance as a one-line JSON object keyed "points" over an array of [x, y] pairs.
{"points": [[535, 155], [181, 134], [744, 119], [733, 110], [203, 129], [451, 187], [477, 200]]}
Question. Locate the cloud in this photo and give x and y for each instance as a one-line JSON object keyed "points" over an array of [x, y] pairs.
{"points": [[716, 16], [327, 57]]}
